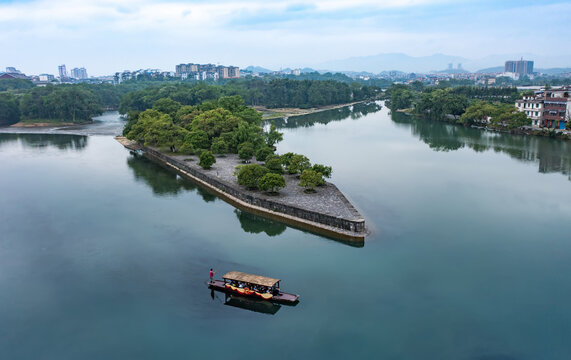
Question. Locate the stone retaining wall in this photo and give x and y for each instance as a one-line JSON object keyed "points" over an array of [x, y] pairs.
{"points": [[355, 226]]}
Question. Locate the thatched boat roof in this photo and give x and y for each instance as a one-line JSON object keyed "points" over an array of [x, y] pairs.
{"points": [[249, 278]]}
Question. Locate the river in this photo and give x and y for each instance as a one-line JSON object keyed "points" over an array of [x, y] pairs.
{"points": [[104, 254]]}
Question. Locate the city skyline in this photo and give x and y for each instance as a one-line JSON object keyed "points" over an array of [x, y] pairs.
{"points": [[105, 38]]}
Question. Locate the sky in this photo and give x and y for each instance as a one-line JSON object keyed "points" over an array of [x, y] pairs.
{"points": [[106, 36]]}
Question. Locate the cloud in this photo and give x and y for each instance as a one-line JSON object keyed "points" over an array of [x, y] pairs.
{"points": [[107, 36]]}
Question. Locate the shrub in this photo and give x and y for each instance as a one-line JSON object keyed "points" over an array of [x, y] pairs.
{"points": [[310, 179], [297, 164], [274, 164], [324, 170], [245, 151], [248, 175], [206, 159], [271, 182], [219, 146], [263, 153]]}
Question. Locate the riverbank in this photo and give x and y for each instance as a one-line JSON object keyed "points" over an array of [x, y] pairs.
{"points": [[273, 113], [326, 211], [45, 124]]}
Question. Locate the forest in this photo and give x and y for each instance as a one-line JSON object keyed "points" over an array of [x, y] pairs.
{"points": [[20, 100], [467, 105]]}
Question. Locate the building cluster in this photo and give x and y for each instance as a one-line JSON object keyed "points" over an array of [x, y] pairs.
{"points": [[12, 73], [206, 71], [518, 68], [547, 108]]}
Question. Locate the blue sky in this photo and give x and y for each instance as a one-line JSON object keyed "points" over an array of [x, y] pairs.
{"points": [[107, 36]]}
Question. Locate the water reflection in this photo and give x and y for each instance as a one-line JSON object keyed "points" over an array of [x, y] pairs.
{"points": [[259, 306], [254, 224], [62, 142], [163, 181], [552, 155], [324, 117]]}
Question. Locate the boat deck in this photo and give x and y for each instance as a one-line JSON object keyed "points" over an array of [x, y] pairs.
{"points": [[282, 297]]}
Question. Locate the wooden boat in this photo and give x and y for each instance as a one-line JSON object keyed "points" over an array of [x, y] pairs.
{"points": [[254, 286]]}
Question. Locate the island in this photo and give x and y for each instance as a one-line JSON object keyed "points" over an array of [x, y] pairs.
{"points": [[223, 146]]}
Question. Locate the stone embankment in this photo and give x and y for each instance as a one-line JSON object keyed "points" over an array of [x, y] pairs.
{"points": [[326, 212]]}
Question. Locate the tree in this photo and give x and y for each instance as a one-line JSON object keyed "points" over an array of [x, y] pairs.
{"points": [[9, 112], [245, 151], [198, 139], [207, 159], [297, 164], [310, 179], [324, 170], [219, 146], [271, 182], [273, 136], [263, 153], [167, 106], [248, 175], [275, 165]]}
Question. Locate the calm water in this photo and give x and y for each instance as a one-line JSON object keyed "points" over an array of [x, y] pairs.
{"points": [[104, 255]]}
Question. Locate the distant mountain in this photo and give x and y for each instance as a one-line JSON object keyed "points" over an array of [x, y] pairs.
{"points": [[258, 69], [554, 71], [425, 64], [494, 69], [402, 62]]}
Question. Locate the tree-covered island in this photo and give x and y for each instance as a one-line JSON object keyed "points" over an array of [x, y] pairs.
{"points": [[222, 126]]}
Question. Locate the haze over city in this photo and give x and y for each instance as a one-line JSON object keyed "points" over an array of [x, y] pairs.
{"points": [[106, 37]]}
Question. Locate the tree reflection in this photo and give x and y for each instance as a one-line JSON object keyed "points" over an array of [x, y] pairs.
{"points": [[324, 117], [254, 224], [59, 141], [552, 155]]}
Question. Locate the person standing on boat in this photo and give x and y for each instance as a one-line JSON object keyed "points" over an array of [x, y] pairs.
{"points": [[212, 274]]}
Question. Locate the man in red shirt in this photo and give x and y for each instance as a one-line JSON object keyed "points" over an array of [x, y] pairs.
{"points": [[212, 274]]}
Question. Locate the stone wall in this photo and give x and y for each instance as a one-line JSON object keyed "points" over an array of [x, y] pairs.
{"points": [[356, 226]]}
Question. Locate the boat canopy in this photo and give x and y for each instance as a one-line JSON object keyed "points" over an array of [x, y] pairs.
{"points": [[249, 278]]}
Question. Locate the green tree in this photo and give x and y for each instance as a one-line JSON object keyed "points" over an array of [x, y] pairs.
{"points": [[167, 106], [248, 175], [324, 170], [245, 151], [206, 159], [198, 139], [298, 164], [219, 146], [273, 136], [274, 164], [271, 182], [263, 152], [310, 179], [9, 112]]}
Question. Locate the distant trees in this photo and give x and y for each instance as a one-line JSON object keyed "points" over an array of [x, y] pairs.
{"points": [[60, 103], [502, 116], [9, 112]]}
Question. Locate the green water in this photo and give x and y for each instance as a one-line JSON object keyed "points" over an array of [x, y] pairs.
{"points": [[105, 255]]}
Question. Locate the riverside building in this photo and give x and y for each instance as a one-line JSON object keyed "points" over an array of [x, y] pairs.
{"points": [[547, 108]]}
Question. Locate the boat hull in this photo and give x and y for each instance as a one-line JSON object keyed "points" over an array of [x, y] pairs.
{"points": [[284, 298]]}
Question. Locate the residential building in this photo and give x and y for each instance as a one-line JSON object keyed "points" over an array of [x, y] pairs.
{"points": [[521, 67], [547, 108], [46, 77], [79, 73], [62, 72]]}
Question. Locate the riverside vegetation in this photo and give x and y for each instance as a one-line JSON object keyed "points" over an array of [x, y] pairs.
{"points": [[465, 105], [223, 126], [20, 100]]}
